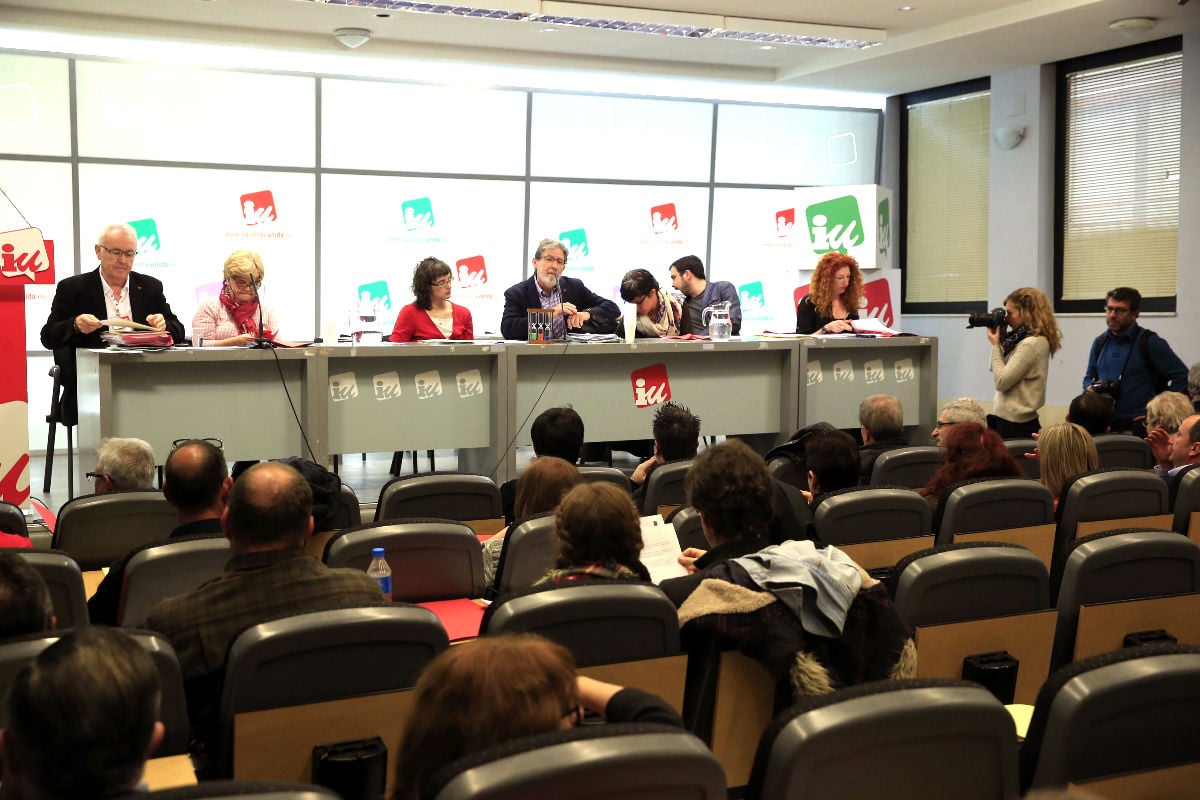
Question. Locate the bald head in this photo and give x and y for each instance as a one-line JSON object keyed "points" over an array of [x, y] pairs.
{"points": [[196, 480], [270, 508]]}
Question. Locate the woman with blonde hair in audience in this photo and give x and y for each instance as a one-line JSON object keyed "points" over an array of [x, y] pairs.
{"points": [[599, 536], [1065, 451], [234, 316], [499, 688], [1168, 410], [969, 450], [539, 489]]}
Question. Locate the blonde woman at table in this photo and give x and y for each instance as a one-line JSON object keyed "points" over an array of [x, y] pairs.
{"points": [[432, 315], [232, 318]]}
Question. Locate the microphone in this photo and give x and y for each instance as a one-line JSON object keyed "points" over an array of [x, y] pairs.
{"points": [[262, 342]]}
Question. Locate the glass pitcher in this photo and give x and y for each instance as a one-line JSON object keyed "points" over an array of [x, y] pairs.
{"points": [[716, 317]]}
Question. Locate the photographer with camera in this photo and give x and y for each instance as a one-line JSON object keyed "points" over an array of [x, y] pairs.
{"points": [[1024, 334], [1131, 364]]}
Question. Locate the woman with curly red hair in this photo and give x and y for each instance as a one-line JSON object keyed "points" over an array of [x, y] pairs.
{"points": [[834, 296], [969, 450]]}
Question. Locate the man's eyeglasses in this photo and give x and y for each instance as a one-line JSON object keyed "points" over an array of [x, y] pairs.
{"points": [[941, 424], [178, 443], [116, 251], [1116, 312], [444, 282], [95, 475], [562, 262]]}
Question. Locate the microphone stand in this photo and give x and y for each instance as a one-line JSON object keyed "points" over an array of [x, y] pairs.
{"points": [[262, 342]]}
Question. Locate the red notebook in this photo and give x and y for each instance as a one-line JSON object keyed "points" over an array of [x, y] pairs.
{"points": [[460, 617]]}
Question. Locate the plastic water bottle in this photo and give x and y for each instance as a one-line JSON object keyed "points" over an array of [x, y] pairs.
{"points": [[380, 572]]}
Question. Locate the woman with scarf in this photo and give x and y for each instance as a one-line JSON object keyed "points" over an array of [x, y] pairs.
{"points": [[1021, 350], [660, 313], [232, 318]]}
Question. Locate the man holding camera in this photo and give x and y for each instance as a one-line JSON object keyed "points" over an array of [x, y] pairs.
{"points": [[1131, 363]]}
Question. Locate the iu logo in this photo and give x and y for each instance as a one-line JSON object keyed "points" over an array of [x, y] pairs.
{"points": [[752, 296], [258, 208], [663, 219], [576, 242], [873, 371], [835, 224], [472, 272], [387, 386], [843, 371], [878, 298], [343, 386], [470, 383], [650, 385], [429, 384], [147, 234], [24, 254], [785, 223], [904, 370], [417, 213], [885, 227]]}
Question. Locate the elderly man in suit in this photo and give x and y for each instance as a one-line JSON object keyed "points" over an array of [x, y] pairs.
{"points": [[111, 290], [575, 306]]}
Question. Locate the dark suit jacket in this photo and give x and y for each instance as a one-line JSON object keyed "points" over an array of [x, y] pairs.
{"points": [[518, 299], [84, 294]]}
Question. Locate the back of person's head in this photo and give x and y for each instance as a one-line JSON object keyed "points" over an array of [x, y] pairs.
{"points": [[691, 264], [25, 605], [542, 485], [832, 458], [636, 284], [270, 503], [882, 416], [1167, 410], [1092, 411], [970, 450], [964, 409], [1126, 294], [82, 717], [1065, 451], [126, 463], [558, 432], [194, 476], [326, 488], [482, 693], [730, 485], [1194, 380], [597, 522], [677, 431]]}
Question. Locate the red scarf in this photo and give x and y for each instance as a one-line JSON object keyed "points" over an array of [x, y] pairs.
{"points": [[245, 316]]}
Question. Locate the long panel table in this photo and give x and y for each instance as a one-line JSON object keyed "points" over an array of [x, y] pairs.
{"points": [[480, 398]]}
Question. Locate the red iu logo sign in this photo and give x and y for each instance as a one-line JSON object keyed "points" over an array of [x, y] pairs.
{"points": [[258, 207], [650, 385], [664, 219], [785, 223], [471, 272], [877, 296]]}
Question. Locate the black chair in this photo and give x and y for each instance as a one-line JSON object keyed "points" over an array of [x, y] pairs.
{"points": [[1017, 448], [664, 487], [530, 551], [12, 520], [163, 569], [65, 582], [349, 512], [244, 790], [906, 466], [607, 474], [1123, 450], [97, 529], [54, 419], [1107, 495], [446, 495], [907, 739], [1185, 498], [688, 530], [784, 469], [1116, 714], [988, 504], [431, 559], [870, 514]]}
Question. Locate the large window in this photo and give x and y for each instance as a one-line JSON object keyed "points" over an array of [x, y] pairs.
{"points": [[1117, 191], [944, 212]]}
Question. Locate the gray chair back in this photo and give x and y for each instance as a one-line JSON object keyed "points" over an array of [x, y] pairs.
{"points": [[1118, 565], [597, 762], [244, 790], [959, 582], [785, 470], [921, 738], [906, 466], [992, 504], [530, 551], [1187, 498], [1123, 450], [164, 569], [599, 623], [97, 529], [688, 530], [1107, 494], [1117, 713], [447, 495], [664, 487], [349, 513], [12, 519], [870, 514], [431, 559], [65, 582], [607, 474], [1017, 448]]}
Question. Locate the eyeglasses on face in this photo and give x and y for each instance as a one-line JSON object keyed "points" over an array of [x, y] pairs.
{"points": [[116, 251], [562, 262], [217, 443], [244, 283], [445, 282], [1116, 311], [93, 476], [941, 424]]}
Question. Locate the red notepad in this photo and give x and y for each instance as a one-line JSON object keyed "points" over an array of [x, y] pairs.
{"points": [[460, 617]]}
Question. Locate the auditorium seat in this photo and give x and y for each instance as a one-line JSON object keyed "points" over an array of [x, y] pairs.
{"points": [[686, 520], [905, 740], [12, 520], [1017, 448], [530, 551], [1123, 450], [590, 762], [447, 495], [244, 790], [1185, 501], [870, 514], [431, 559], [65, 582], [607, 474], [911, 466], [163, 569], [1121, 724], [1106, 499], [97, 529], [988, 504], [664, 487]]}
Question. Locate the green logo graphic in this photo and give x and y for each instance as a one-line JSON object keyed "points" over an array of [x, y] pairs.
{"points": [[576, 242], [375, 294], [752, 296], [147, 234], [417, 213], [885, 227], [834, 225]]}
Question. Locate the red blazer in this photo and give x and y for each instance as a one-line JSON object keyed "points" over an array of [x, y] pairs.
{"points": [[413, 325]]}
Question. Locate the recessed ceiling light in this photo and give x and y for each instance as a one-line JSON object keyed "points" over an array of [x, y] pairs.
{"points": [[548, 30], [907, 8], [767, 47]]}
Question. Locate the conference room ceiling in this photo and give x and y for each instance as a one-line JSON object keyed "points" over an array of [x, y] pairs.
{"points": [[938, 42]]}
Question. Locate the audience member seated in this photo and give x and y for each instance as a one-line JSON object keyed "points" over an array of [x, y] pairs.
{"points": [[881, 421], [25, 605], [123, 465], [196, 482], [659, 312], [81, 719], [268, 522], [1173, 452], [555, 432], [1194, 386], [499, 688], [599, 535], [1092, 411], [833, 462], [1065, 451], [676, 433], [814, 618], [730, 487], [1167, 410], [539, 489], [969, 450], [964, 409]]}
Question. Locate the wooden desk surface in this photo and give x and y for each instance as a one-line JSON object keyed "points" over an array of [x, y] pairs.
{"points": [[168, 772], [91, 580]]}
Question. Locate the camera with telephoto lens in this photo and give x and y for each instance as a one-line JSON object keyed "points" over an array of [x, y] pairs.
{"points": [[1108, 388], [987, 319]]}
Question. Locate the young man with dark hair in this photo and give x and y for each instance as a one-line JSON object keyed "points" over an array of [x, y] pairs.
{"points": [[687, 276], [676, 433], [25, 605], [555, 432], [1091, 411], [832, 462]]}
